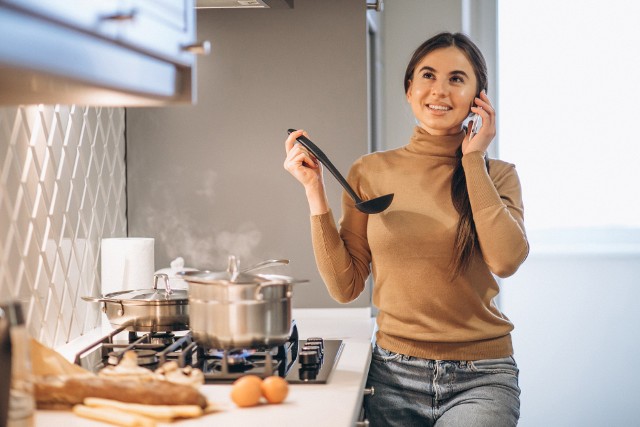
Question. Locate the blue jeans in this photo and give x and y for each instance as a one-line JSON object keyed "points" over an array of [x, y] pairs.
{"points": [[410, 391]]}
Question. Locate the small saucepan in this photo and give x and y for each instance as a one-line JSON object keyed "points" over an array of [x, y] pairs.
{"points": [[147, 310]]}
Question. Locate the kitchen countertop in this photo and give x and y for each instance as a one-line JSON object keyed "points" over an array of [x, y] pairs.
{"points": [[335, 404]]}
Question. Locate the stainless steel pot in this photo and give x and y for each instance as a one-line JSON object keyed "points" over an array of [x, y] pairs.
{"points": [[233, 309], [147, 310]]}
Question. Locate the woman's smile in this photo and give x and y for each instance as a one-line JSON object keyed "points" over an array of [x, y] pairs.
{"points": [[438, 109]]}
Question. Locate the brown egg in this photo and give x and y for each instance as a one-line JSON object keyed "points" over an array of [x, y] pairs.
{"points": [[246, 391], [251, 378], [275, 389]]}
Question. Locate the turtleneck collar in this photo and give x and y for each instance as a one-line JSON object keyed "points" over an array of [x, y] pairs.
{"points": [[422, 142]]}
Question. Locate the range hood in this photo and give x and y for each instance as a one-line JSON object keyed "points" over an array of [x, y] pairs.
{"points": [[244, 4]]}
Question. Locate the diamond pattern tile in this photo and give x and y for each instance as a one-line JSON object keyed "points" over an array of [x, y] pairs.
{"points": [[62, 189]]}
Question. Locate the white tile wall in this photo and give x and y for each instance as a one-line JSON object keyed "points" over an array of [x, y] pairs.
{"points": [[62, 188]]}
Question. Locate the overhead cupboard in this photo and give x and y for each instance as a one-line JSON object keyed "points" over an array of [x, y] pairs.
{"points": [[100, 52]]}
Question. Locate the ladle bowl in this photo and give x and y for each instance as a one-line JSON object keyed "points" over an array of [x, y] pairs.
{"points": [[371, 206]]}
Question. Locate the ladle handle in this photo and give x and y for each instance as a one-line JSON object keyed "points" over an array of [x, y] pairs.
{"points": [[319, 154]]}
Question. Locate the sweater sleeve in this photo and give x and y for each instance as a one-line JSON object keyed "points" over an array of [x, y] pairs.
{"points": [[343, 257], [498, 213]]}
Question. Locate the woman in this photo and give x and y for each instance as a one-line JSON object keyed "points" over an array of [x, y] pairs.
{"points": [[443, 352]]}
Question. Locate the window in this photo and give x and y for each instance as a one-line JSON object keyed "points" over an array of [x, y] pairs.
{"points": [[569, 99]]}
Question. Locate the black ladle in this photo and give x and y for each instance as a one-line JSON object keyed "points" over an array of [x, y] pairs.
{"points": [[372, 206]]}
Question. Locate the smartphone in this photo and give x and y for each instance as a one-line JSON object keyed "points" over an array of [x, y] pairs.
{"points": [[477, 123]]}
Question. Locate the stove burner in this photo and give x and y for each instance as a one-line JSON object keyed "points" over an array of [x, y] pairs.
{"points": [[161, 339], [237, 367], [146, 358], [235, 358]]}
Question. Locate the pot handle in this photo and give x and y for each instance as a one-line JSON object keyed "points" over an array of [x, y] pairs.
{"points": [[233, 268], [102, 299], [259, 296], [93, 299], [105, 301], [166, 282]]}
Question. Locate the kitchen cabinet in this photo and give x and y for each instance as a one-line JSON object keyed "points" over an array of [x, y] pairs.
{"points": [[337, 403], [103, 52]]}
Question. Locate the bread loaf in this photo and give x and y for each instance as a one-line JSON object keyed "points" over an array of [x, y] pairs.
{"points": [[64, 392]]}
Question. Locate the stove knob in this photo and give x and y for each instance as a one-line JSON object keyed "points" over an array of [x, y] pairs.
{"points": [[317, 346], [308, 374], [315, 349], [315, 341], [309, 359]]}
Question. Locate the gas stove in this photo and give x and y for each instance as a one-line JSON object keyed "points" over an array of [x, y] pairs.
{"points": [[308, 361]]}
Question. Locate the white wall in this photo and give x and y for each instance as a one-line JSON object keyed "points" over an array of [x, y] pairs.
{"points": [[576, 314]]}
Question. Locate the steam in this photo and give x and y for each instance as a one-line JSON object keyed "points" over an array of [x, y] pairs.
{"points": [[200, 244], [207, 180], [240, 243]]}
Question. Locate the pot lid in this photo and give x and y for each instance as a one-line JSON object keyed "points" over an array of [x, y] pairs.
{"points": [[149, 295], [207, 276], [155, 294], [233, 275]]}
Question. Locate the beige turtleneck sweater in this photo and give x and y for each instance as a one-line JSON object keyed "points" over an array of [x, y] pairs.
{"points": [[409, 246]]}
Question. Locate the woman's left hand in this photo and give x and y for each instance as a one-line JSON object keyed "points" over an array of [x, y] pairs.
{"points": [[481, 140]]}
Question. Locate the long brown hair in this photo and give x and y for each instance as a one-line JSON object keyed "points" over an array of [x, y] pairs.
{"points": [[466, 241]]}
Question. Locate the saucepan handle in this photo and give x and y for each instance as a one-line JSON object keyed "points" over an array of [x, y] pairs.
{"points": [[102, 299], [259, 296]]}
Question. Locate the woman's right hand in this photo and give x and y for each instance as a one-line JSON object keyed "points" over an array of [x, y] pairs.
{"points": [[308, 170], [300, 163]]}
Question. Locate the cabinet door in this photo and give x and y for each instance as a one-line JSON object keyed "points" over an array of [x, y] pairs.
{"points": [[161, 27], [95, 16]]}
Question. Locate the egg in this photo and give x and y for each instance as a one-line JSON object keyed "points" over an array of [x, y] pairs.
{"points": [[275, 389], [246, 391]]}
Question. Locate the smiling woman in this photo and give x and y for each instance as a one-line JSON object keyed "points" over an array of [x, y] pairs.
{"points": [[455, 222]]}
